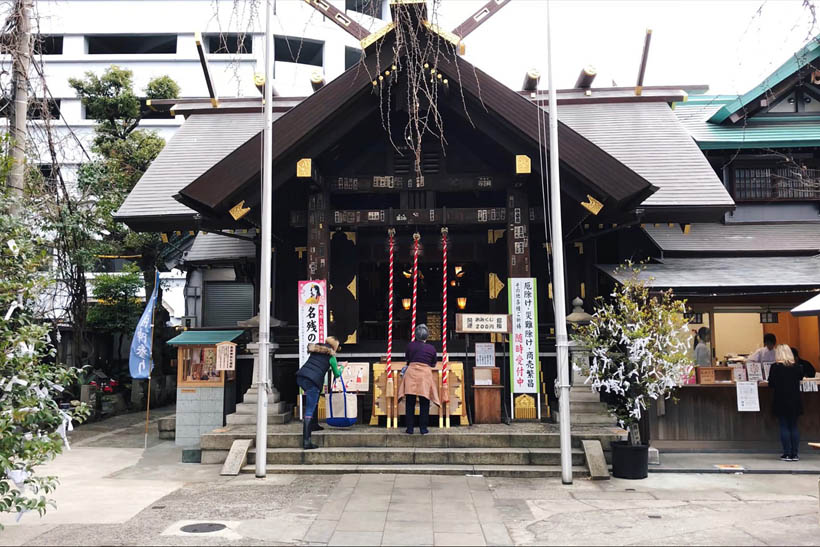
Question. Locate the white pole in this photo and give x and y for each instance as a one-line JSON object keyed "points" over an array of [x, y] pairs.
{"points": [[559, 299], [266, 256]]}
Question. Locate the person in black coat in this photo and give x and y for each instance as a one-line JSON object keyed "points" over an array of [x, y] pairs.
{"points": [[808, 368], [784, 379], [311, 378]]}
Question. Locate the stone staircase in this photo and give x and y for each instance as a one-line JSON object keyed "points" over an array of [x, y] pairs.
{"points": [[279, 412], [586, 408], [521, 450]]}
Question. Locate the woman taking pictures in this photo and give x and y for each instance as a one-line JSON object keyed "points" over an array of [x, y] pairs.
{"points": [[784, 379], [311, 378]]}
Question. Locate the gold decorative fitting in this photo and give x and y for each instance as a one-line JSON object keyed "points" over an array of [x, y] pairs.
{"points": [[394, 67], [381, 78], [523, 164], [387, 73], [239, 210], [375, 82], [258, 79], [549, 290], [376, 36], [496, 286], [353, 338], [447, 35], [426, 65], [351, 287], [525, 407], [163, 237], [592, 205], [687, 228], [304, 168], [198, 38]]}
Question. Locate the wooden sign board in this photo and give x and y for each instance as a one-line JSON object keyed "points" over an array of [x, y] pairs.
{"points": [[477, 323], [226, 356], [356, 377], [706, 375]]}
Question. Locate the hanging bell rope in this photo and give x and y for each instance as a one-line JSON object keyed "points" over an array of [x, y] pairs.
{"points": [[416, 238], [445, 357], [390, 386]]}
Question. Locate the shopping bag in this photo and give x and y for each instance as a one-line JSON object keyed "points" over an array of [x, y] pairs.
{"points": [[343, 408]]}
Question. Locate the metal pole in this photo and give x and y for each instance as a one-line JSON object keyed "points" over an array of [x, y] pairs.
{"points": [[265, 281], [559, 299]]}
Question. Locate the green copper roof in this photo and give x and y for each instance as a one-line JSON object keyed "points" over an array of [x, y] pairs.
{"points": [[756, 133], [806, 55], [204, 337]]}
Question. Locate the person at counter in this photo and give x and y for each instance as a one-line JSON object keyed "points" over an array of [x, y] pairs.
{"points": [[703, 353], [808, 368], [784, 379], [766, 354]]}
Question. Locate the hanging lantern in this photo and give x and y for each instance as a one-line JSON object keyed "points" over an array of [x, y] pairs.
{"points": [[462, 302], [405, 303]]}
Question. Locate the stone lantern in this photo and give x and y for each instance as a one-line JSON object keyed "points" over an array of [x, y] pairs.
{"points": [[579, 355]]}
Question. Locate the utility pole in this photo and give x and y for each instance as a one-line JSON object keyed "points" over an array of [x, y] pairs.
{"points": [[266, 255], [19, 112], [559, 298]]}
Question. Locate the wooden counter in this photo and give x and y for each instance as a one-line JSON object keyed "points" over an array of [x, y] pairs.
{"points": [[708, 414]]}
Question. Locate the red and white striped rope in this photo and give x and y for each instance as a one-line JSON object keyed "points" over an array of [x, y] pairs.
{"points": [[390, 310], [416, 237], [444, 307]]}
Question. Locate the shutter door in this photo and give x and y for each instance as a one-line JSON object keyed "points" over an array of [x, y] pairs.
{"points": [[226, 303]]}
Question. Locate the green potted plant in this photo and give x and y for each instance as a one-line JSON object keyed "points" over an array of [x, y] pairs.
{"points": [[638, 353]]}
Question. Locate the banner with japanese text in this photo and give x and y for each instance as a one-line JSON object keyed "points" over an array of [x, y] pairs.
{"points": [[524, 368], [312, 315], [140, 361]]}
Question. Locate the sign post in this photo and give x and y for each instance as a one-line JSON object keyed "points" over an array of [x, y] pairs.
{"points": [[524, 362], [312, 318]]}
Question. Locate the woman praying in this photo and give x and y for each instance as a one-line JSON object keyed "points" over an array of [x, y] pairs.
{"points": [[419, 381]]}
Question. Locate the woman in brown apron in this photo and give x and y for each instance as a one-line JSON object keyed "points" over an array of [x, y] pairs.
{"points": [[418, 380]]}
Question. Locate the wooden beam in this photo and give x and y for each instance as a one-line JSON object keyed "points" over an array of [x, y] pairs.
{"points": [[352, 184], [356, 218], [317, 80], [518, 234], [584, 80], [531, 79], [203, 60], [479, 17], [644, 58], [337, 16]]}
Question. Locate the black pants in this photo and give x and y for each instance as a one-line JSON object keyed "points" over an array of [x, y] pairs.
{"points": [[410, 411]]}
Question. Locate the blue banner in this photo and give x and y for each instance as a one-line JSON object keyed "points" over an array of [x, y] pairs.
{"points": [[141, 361]]}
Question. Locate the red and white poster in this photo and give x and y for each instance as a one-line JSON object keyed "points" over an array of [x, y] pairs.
{"points": [[312, 315]]}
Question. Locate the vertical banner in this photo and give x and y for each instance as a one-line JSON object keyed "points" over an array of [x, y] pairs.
{"points": [[312, 315], [140, 361], [524, 337]]}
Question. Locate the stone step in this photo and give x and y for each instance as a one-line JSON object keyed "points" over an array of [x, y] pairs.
{"points": [[584, 395], [251, 397], [250, 419], [380, 437], [514, 471], [250, 408], [588, 407], [582, 418], [416, 456]]}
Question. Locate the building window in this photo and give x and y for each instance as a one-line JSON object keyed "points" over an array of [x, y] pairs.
{"points": [[46, 44], [373, 8], [292, 49], [776, 183], [131, 44], [226, 43], [352, 56]]}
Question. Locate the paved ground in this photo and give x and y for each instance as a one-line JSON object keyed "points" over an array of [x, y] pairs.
{"points": [[119, 495]]}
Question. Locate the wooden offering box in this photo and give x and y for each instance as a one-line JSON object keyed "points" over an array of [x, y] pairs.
{"points": [[714, 375]]}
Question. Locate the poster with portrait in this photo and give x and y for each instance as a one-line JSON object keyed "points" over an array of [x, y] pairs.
{"points": [[524, 337], [312, 315]]}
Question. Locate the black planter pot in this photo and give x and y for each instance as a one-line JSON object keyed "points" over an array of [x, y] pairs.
{"points": [[628, 461]]}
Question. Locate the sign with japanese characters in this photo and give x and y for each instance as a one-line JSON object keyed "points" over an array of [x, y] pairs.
{"points": [[140, 361], [312, 315], [226, 356], [485, 354], [482, 322], [524, 337], [754, 372], [747, 397], [356, 377]]}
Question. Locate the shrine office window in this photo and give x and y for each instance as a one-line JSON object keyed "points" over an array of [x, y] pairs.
{"points": [[229, 43], [226, 302], [373, 8], [131, 44], [293, 49], [47, 44]]}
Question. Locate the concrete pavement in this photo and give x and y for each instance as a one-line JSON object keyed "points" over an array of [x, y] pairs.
{"points": [[120, 495]]}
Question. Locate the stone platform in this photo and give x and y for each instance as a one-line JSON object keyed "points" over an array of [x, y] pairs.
{"points": [[518, 450]]}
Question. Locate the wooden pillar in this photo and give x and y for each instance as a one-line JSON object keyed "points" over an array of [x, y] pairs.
{"points": [[518, 233], [318, 236]]}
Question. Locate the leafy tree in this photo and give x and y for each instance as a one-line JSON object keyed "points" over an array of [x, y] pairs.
{"points": [[637, 341], [32, 426], [118, 309]]}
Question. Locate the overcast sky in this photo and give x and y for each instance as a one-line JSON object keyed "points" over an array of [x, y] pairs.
{"points": [[731, 45]]}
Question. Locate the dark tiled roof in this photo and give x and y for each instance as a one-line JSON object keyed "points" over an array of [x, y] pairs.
{"points": [[201, 142], [707, 237], [707, 273], [210, 247], [650, 140]]}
